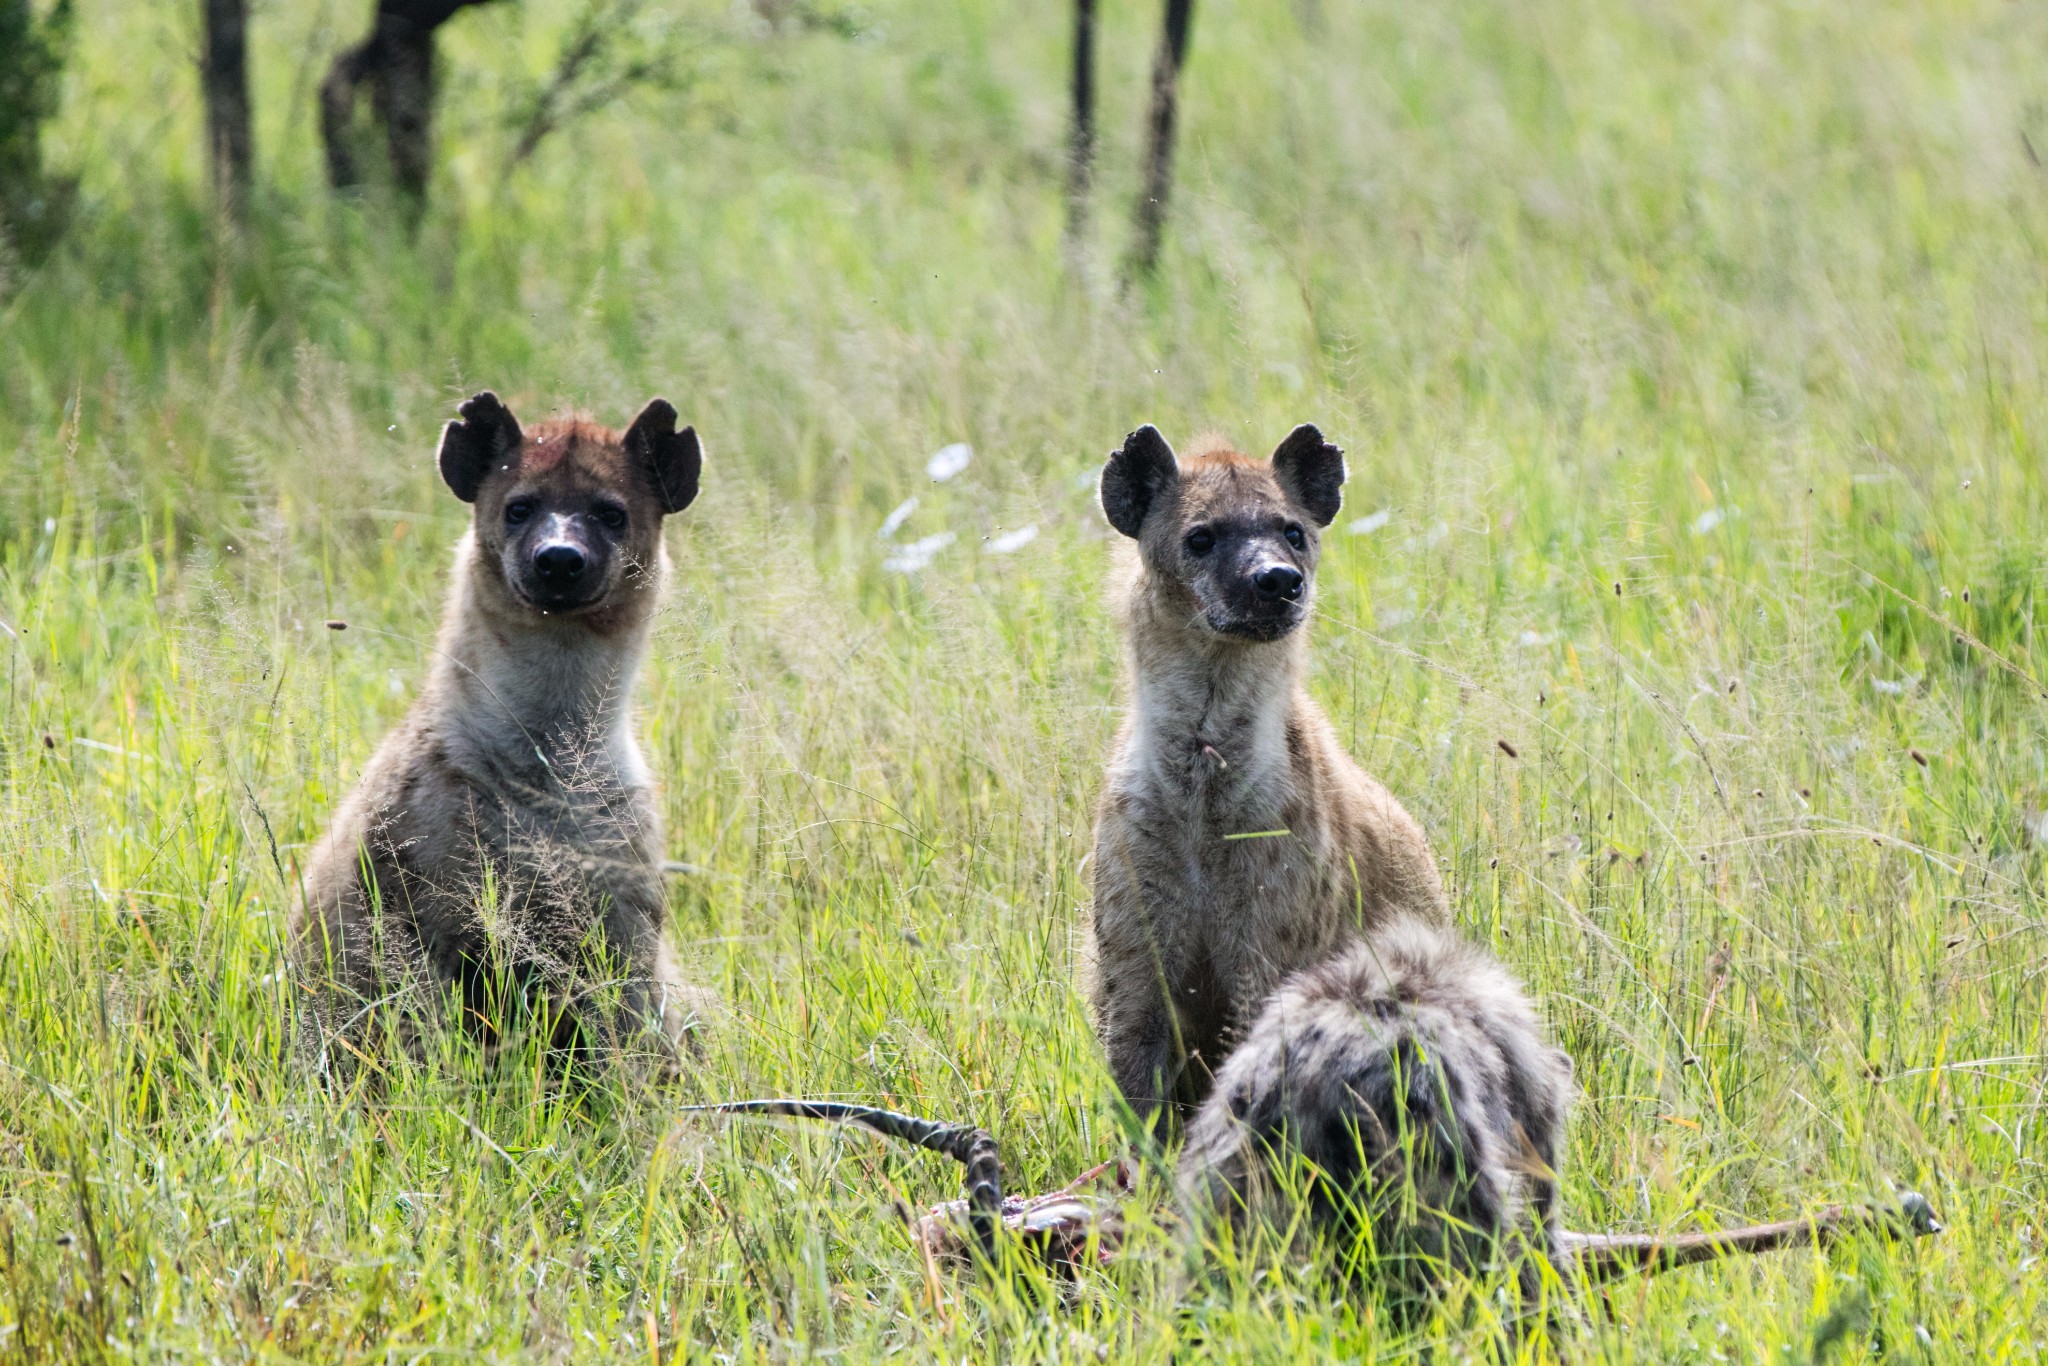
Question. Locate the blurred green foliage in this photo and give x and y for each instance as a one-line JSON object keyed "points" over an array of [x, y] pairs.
{"points": [[33, 202]]}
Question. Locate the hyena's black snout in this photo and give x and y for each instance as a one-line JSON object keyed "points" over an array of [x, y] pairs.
{"points": [[1278, 583], [561, 570], [1260, 597], [560, 564]]}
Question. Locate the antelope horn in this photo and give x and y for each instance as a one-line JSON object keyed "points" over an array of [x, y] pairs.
{"points": [[1605, 1256], [972, 1148]]}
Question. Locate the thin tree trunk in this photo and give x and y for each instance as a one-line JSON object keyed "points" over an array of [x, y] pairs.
{"points": [[1173, 50], [396, 61], [402, 94], [337, 114], [1081, 141], [224, 74]]}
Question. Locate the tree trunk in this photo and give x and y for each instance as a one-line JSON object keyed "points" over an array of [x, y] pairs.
{"points": [[224, 74], [337, 116], [396, 61], [402, 96], [1173, 50], [1081, 140]]}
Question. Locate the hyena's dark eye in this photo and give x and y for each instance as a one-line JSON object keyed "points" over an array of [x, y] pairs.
{"points": [[612, 516], [518, 510], [1201, 541], [1295, 537]]}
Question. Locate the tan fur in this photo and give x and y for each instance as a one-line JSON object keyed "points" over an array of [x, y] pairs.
{"points": [[1192, 929], [503, 842]]}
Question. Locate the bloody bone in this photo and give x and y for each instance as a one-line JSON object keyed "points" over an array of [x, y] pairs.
{"points": [[1079, 1225]]}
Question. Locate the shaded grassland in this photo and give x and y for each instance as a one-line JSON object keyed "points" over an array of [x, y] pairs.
{"points": [[1694, 353]]}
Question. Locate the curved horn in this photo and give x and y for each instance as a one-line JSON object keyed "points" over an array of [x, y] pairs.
{"points": [[974, 1149], [1606, 1256]]}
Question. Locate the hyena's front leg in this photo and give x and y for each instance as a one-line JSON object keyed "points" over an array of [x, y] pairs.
{"points": [[667, 1007], [1135, 1021], [659, 1012]]}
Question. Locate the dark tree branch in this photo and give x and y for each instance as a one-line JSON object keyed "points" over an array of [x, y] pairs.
{"points": [[548, 105], [604, 55], [1173, 50], [224, 75]]}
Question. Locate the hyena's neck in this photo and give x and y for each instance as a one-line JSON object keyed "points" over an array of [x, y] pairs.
{"points": [[1198, 696], [527, 691]]}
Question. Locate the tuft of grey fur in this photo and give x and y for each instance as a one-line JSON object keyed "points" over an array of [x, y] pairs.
{"points": [[1409, 1082]]}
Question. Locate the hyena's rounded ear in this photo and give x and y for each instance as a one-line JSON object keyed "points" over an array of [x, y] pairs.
{"points": [[1311, 470], [1137, 474], [483, 436], [674, 458]]}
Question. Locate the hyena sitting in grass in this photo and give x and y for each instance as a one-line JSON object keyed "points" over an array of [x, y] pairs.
{"points": [[1235, 841], [502, 847]]}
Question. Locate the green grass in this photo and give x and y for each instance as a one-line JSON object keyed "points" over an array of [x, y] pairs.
{"points": [[1568, 278]]}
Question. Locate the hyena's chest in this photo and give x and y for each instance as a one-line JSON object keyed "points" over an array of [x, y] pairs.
{"points": [[545, 867], [1231, 852]]}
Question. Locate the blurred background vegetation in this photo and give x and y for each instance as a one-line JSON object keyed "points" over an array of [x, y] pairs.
{"points": [[1689, 358]]}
